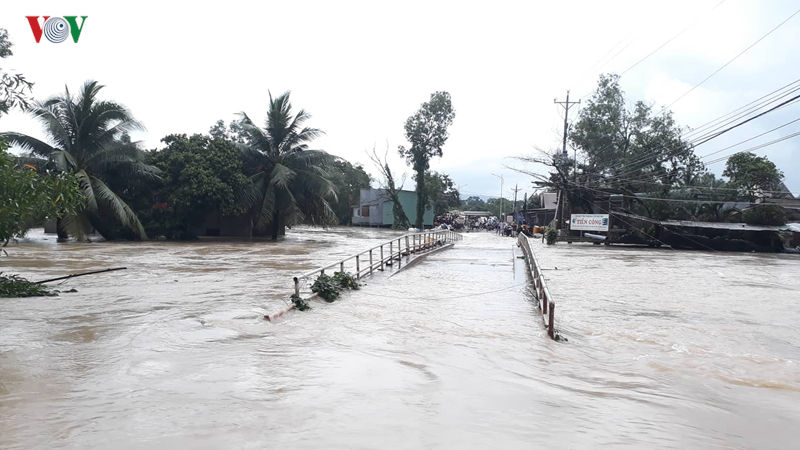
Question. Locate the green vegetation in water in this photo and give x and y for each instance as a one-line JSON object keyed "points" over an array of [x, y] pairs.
{"points": [[299, 303], [14, 286], [329, 288], [551, 235], [325, 287], [346, 281]]}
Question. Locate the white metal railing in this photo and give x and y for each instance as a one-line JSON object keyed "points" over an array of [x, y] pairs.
{"points": [[545, 301], [376, 258]]}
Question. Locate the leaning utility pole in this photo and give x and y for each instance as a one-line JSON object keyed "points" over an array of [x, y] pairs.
{"points": [[562, 191]]}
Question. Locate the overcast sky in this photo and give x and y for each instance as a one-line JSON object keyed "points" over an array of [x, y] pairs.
{"points": [[361, 68]]}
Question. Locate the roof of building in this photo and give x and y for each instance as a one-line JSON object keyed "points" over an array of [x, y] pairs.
{"points": [[715, 225]]}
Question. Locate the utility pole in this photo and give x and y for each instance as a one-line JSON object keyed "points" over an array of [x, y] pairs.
{"points": [[566, 105], [501, 197], [516, 189], [560, 208]]}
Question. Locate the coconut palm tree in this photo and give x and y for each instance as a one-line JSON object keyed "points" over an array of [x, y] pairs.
{"points": [[291, 182], [84, 136]]}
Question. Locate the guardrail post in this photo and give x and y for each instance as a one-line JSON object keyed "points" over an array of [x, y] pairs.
{"points": [[358, 269], [408, 250], [341, 267], [381, 256], [296, 287], [544, 302], [551, 321], [391, 250], [370, 261]]}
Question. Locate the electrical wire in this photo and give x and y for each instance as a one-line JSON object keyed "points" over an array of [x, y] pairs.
{"points": [[731, 60], [746, 112], [638, 164], [671, 39], [702, 127], [664, 243]]}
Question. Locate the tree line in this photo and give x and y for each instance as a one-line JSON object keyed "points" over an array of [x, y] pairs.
{"points": [[643, 154], [87, 174]]}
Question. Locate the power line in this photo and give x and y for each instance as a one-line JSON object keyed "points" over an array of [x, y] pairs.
{"points": [[692, 145], [743, 113], [750, 139], [707, 137], [705, 125], [731, 60], [671, 39], [757, 147], [767, 144]]}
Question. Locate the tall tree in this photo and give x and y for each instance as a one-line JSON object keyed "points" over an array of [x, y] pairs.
{"points": [[390, 185], [426, 130], [83, 135], [752, 174], [292, 182], [636, 150]]}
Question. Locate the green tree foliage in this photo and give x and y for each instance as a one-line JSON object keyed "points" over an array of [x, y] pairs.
{"points": [[348, 179], [12, 85], [493, 205], [28, 198], [85, 134], [752, 174], [765, 215], [636, 150], [201, 176], [474, 203], [292, 182], [442, 192], [233, 132], [426, 130]]}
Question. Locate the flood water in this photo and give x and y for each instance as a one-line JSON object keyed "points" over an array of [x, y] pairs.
{"points": [[665, 349]]}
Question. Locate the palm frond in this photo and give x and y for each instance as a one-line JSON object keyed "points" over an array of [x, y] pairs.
{"points": [[85, 183], [64, 161], [266, 210], [29, 144], [121, 210], [281, 176]]}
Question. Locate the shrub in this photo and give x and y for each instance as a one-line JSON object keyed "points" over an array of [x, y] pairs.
{"points": [[326, 288], [12, 286], [764, 215], [551, 235], [299, 303], [345, 281]]}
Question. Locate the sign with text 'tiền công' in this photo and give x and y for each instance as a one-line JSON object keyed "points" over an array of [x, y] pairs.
{"points": [[589, 222]]}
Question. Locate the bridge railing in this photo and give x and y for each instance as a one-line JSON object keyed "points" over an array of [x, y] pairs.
{"points": [[386, 253], [546, 304]]}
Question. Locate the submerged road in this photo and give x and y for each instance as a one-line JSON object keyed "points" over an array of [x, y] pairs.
{"points": [[448, 354]]}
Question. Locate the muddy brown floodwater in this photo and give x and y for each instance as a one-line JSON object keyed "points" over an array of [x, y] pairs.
{"points": [[666, 349]]}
